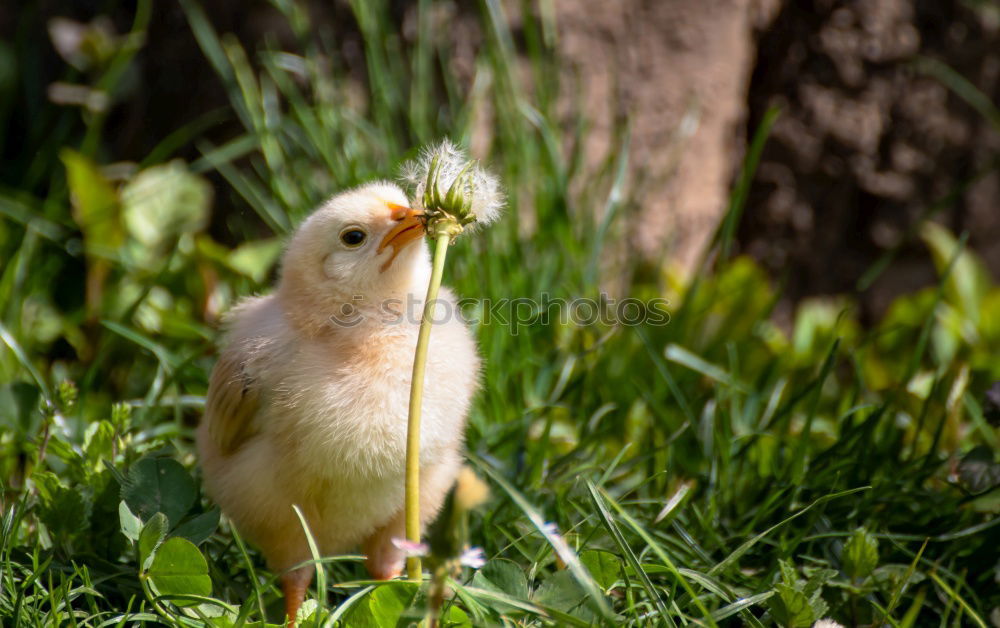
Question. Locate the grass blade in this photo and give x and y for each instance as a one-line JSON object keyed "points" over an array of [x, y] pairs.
{"points": [[600, 496], [317, 559], [953, 595], [558, 543], [745, 547], [630, 556]]}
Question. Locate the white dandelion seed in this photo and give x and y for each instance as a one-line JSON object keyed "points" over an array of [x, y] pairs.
{"points": [[480, 187]]}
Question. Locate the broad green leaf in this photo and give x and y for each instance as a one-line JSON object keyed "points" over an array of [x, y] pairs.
{"points": [[860, 554], [179, 568], [474, 595], [818, 604], [383, 607], [98, 442], [628, 554], [790, 607], [95, 204], [159, 485], [387, 603], [197, 529], [63, 450], [161, 203], [788, 574], [604, 566], [558, 543], [150, 538], [562, 592], [131, 525], [64, 510], [106, 536], [502, 576], [455, 617], [817, 579], [505, 576]]}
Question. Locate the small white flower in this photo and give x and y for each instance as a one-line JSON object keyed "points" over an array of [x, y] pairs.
{"points": [[451, 161], [411, 549], [826, 623], [473, 557]]}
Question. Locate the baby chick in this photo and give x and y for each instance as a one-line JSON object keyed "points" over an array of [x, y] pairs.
{"points": [[307, 404]]}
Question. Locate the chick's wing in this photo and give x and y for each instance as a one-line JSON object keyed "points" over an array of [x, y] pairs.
{"points": [[232, 402]]}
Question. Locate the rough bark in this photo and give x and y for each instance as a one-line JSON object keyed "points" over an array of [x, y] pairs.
{"points": [[680, 71], [870, 141]]}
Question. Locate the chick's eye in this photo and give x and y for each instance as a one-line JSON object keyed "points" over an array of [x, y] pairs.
{"points": [[353, 237]]}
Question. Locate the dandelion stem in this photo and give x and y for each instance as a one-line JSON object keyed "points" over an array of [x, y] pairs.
{"points": [[441, 240]]}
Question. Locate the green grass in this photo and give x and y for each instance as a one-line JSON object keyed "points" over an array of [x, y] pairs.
{"points": [[716, 470]]}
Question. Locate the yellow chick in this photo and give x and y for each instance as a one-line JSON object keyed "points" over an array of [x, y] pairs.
{"points": [[307, 404]]}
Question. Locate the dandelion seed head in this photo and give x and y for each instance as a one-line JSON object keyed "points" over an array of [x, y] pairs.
{"points": [[482, 187]]}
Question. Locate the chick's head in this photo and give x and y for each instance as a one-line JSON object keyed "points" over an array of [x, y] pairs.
{"points": [[362, 247]]}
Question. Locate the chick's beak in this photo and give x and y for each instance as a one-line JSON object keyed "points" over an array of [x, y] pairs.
{"points": [[409, 227]]}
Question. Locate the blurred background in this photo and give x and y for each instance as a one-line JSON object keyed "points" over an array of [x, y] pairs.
{"points": [[888, 111], [814, 185]]}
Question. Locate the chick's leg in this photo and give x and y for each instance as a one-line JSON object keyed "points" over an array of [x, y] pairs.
{"points": [[294, 585], [384, 560]]}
